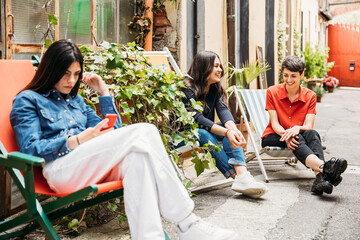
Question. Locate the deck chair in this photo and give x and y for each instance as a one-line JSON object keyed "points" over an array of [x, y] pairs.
{"points": [[254, 102], [26, 171], [163, 58]]}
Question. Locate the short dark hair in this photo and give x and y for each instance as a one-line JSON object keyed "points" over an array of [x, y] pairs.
{"points": [[294, 64], [56, 60]]}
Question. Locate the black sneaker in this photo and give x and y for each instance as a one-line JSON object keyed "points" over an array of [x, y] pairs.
{"points": [[321, 185], [333, 169]]}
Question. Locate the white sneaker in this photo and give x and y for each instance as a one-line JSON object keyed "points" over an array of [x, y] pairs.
{"points": [[247, 185], [201, 230]]}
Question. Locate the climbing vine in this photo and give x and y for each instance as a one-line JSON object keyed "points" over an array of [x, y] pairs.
{"points": [[297, 41]]}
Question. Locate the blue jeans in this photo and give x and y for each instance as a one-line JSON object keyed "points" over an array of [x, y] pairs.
{"points": [[227, 156]]}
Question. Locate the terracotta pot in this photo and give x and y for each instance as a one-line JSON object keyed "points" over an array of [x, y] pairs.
{"points": [[311, 85], [330, 89], [318, 99]]}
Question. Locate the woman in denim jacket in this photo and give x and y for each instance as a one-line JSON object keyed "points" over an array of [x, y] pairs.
{"points": [[51, 121], [203, 84]]}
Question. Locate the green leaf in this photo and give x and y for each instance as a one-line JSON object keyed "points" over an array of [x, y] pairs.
{"points": [[198, 165], [48, 42], [112, 206], [36, 27], [122, 218], [139, 104], [53, 19], [73, 224], [212, 160], [188, 184], [85, 49], [196, 105], [150, 117], [131, 44], [125, 106], [106, 44], [177, 139]]}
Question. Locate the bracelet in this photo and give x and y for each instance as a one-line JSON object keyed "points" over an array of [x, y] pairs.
{"points": [[226, 132], [77, 139]]}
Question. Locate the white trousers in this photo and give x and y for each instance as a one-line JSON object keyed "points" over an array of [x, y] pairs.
{"points": [[136, 155]]}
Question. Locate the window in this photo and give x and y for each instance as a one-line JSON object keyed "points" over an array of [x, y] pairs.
{"points": [[75, 21], [79, 20], [28, 14]]}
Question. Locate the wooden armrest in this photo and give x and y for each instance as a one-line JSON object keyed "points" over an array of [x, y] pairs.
{"points": [[21, 161]]}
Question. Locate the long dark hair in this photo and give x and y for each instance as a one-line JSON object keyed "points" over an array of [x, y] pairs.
{"points": [[200, 69], [56, 60]]}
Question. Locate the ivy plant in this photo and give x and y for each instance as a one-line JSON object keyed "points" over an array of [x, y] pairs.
{"points": [[316, 61], [145, 93]]}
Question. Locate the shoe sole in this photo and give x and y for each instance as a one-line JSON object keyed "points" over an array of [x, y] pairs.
{"points": [[325, 187], [340, 167], [316, 192], [336, 181], [253, 192]]}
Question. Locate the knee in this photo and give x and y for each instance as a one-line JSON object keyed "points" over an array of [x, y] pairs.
{"points": [[205, 135], [311, 134], [146, 129], [141, 132]]}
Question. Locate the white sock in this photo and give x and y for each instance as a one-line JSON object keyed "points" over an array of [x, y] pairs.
{"points": [[185, 224], [241, 174]]}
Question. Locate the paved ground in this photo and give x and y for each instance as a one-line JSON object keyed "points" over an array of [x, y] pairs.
{"points": [[288, 210]]}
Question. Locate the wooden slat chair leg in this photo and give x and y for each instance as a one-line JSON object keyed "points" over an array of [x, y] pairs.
{"points": [[45, 223]]}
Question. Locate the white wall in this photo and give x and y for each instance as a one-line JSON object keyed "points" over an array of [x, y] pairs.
{"points": [[256, 30], [215, 28], [311, 25]]}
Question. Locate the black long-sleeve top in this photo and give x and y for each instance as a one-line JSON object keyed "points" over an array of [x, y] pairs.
{"points": [[206, 119]]}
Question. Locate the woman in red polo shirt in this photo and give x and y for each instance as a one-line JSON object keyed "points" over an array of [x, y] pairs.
{"points": [[292, 114]]}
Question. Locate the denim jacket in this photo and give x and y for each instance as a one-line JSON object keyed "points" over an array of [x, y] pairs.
{"points": [[44, 122]]}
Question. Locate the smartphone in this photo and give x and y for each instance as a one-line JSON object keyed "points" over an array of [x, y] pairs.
{"points": [[112, 119]]}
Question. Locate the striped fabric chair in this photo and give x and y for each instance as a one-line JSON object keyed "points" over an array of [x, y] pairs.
{"points": [[254, 102]]}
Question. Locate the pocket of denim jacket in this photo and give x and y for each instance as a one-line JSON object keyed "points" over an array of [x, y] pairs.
{"points": [[51, 116], [76, 106]]}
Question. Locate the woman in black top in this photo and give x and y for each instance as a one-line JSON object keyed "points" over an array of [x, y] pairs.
{"points": [[203, 84]]}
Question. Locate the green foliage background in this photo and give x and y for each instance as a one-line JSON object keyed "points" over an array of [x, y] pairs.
{"points": [[145, 93], [316, 61]]}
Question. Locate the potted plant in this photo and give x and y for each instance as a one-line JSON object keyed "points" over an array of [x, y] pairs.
{"points": [[319, 91], [316, 64], [330, 83]]}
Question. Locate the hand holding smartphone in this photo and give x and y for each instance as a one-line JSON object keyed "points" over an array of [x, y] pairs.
{"points": [[112, 119]]}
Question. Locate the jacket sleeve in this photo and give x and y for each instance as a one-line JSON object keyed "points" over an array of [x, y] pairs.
{"points": [[223, 111], [200, 119], [26, 124], [107, 106]]}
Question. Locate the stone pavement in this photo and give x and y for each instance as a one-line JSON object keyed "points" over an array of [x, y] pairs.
{"points": [[288, 210]]}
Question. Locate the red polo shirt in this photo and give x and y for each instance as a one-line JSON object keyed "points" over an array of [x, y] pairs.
{"points": [[289, 113]]}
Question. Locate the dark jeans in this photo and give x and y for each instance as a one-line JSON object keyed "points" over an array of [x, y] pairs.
{"points": [[309, 143]]}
